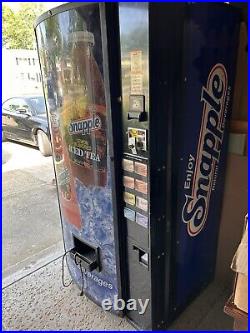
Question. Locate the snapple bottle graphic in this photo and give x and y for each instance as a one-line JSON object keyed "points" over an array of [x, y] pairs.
{"points": [[68, 199], [84, 115]]}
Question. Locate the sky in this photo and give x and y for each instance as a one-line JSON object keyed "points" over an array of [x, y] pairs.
{"points": [[48, 5]]}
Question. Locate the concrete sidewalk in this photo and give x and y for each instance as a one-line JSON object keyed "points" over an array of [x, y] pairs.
{"points": [[38, 301], [30, 219]]}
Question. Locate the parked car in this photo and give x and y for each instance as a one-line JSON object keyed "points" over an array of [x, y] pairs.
{"points": [[24, 119]]}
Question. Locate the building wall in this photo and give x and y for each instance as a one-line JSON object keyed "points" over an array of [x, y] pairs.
{"points": [[21, 73]]}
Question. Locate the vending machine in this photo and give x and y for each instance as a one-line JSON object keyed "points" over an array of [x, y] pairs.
{"points": [[138, 98]]}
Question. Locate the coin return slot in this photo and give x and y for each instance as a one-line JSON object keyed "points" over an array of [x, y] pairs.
{"points": [[142, 256]]}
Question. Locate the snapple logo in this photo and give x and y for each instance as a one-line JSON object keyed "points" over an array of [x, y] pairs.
{"points": [[197, 199], [85, 126]]}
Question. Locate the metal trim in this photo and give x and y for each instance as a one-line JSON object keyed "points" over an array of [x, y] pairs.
{"points": [[112, 83], [59, 9]]}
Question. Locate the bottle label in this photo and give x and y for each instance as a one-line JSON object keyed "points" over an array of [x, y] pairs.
{"points": [[86, 139], [85, 126]]}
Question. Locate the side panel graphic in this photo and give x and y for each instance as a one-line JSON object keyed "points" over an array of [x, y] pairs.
{"points": [[70, 51], [208, 72]]}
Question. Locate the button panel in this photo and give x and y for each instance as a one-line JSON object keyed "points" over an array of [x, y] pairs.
{"points": [[135, 108], [135, 183]]}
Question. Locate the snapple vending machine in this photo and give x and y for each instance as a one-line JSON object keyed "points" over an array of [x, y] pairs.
{"points": [[138, 98]]}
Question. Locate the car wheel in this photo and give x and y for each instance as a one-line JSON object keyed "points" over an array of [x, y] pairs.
{"points": [[43, 143]]}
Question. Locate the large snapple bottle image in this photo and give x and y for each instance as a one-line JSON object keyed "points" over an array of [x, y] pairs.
{"points": [[84, 112]]}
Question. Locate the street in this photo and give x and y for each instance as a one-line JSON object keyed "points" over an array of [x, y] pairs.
{"points": [[31, 223]]}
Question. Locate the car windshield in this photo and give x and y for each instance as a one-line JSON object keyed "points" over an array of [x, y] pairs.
{"points": [[38, 104]]}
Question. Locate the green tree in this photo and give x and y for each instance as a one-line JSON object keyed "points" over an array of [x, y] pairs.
{"points": [[8, 19], [17, 28]]}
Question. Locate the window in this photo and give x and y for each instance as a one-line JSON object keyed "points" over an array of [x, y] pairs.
{"points": [[17, 61], [6, 105], [29, 61], [37, 104], [14, 104], [28, 76], [34, 63]]}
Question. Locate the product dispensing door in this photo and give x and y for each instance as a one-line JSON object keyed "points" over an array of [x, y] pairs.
{"points": [[138, 97]]}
